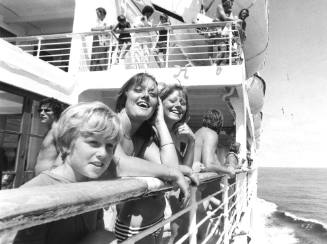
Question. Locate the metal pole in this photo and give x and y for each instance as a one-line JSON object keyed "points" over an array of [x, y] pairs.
{"points": [[226, 214], [38, 48], [230, 35], [192, 227], [167, 47]]}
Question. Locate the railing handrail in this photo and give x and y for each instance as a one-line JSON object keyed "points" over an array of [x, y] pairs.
{"points": [[26, 207], [130, 30]]}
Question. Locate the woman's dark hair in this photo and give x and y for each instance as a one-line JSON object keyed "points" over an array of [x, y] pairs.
{"points": [[134, 80], [56, 106], [213, 119], [235, 147], [164, 17], [147, 9], [242, 10], [102, 11], [121, 18], [145, 130], [167, 90]]}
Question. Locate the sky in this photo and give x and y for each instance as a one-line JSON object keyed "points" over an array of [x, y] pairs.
{"points": [[295, 109]]}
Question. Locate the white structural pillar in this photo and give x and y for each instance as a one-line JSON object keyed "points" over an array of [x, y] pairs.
{"points": [[239, 107], [85, 19]]}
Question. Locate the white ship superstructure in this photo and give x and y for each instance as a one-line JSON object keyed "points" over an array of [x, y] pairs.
{"points": [[50, 55]]}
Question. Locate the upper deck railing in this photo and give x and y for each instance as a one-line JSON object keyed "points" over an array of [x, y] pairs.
{"points": [[27, 207], [189, 44]]}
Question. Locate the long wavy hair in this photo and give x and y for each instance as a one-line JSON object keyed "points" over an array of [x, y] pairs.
{"points": [[167, 90], [136, 79]]}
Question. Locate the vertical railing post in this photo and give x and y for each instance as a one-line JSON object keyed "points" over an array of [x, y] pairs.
{"points": [[124, 7], [230, 37], [226, 213], [38, 48], [110, 52], [167, 48], [192, 227]]}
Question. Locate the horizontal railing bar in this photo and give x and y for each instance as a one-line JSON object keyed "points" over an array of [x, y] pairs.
{"points": [[11, 172], [208, 237], [131, 30], [211, 214], [150, 55], [26, 207], [153, 55], [201, 222], [61, 201], [44, 44], [19, 133], [179, 60], [55, 55], [233, 226], [172, 218], [55, 49]]}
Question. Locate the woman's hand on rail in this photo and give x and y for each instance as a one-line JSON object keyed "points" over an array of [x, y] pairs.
{"points": [[231, 171], [198, 167], [192, 175], [184, 186]]}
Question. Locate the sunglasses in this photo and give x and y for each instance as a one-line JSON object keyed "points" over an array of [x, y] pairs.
{"points": [[46, 110]]}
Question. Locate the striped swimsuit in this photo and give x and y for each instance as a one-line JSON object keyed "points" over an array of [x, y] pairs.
{"points": [[123, 232]]}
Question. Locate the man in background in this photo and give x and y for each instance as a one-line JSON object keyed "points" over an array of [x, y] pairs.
{"points": [[48, 157], [206, 143], [206, 160]]}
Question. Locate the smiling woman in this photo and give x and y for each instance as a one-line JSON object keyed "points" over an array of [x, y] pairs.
{"points": [[176, 113], [138, 154]]}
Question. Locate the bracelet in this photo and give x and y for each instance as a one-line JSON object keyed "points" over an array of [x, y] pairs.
{"points": [[166, 144]]}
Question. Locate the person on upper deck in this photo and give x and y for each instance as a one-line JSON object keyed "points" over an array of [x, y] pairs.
{"points": [[87, 135], [101, 42], [48, 157], [123, 37], [176, 112], [224, 10], [244, 13], [139, 154], [224, 13], [161, 46], [144, 21], [144, 40]]}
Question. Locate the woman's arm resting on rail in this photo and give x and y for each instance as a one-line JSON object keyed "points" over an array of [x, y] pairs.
{"points": [[134, 166]]}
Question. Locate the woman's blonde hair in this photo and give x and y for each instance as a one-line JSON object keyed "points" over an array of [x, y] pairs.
{"points": [[85, 119]]}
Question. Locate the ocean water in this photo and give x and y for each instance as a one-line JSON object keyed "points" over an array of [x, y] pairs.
{"points": [[292, 205]]}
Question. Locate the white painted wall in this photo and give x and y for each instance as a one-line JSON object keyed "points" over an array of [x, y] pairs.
{"points": [[17, 68]]}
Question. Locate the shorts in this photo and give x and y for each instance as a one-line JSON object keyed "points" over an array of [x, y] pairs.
{"points": [[124, 39], [161, 47], [123, 232]]}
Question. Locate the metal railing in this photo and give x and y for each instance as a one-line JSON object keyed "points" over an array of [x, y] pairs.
{"points": [[190, 44], [27, 207]]}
